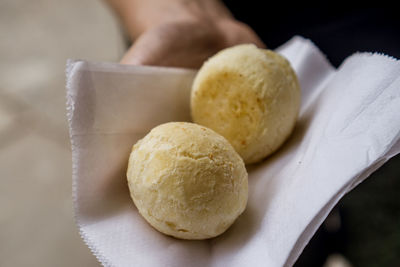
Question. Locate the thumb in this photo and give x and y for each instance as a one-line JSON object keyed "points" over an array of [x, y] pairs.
{"points": [[131, 57]]}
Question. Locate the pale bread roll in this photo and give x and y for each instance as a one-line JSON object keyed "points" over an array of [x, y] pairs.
{"points": [[187, 181], [251, 96]]}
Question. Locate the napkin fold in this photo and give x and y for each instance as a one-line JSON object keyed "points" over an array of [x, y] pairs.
{"points": [[348, 127]]}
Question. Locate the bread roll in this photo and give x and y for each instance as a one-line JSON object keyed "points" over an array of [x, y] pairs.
{"points": [[251, 96], [187, 181]]}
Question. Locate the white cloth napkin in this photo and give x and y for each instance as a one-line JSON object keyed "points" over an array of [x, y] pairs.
{"points": [[349, 125]]}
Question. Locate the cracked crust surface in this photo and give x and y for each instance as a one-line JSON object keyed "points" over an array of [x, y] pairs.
{"points": [[187, 181], [250, 96]]}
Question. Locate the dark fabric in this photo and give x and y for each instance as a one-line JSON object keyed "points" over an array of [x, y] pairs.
{"points": [[337, 31]]}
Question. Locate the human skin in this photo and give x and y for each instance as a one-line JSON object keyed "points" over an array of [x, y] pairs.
{"points": [[179, 33]]}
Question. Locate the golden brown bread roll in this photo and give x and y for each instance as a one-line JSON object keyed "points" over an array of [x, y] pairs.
{"points": [[250, 96], [187, 181]]}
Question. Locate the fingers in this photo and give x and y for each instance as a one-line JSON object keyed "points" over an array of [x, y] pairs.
{"points": [[187, 44], [151, 48], [132, 57], [129, 60]]}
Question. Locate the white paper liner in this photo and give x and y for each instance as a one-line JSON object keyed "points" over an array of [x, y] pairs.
{"points": [[347, 128]]}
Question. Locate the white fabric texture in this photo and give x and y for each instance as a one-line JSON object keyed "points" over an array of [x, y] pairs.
{"points": [[347, 128]]}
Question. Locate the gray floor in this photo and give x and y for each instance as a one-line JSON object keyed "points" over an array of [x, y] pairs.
{"points": [[36, 38]]}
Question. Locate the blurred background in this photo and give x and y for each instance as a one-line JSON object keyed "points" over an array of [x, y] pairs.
{"points": [[36, 215], [36, 38]]}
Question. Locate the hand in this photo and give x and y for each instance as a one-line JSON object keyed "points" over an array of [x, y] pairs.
{"points": [[187, 43], [179, 33]]}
